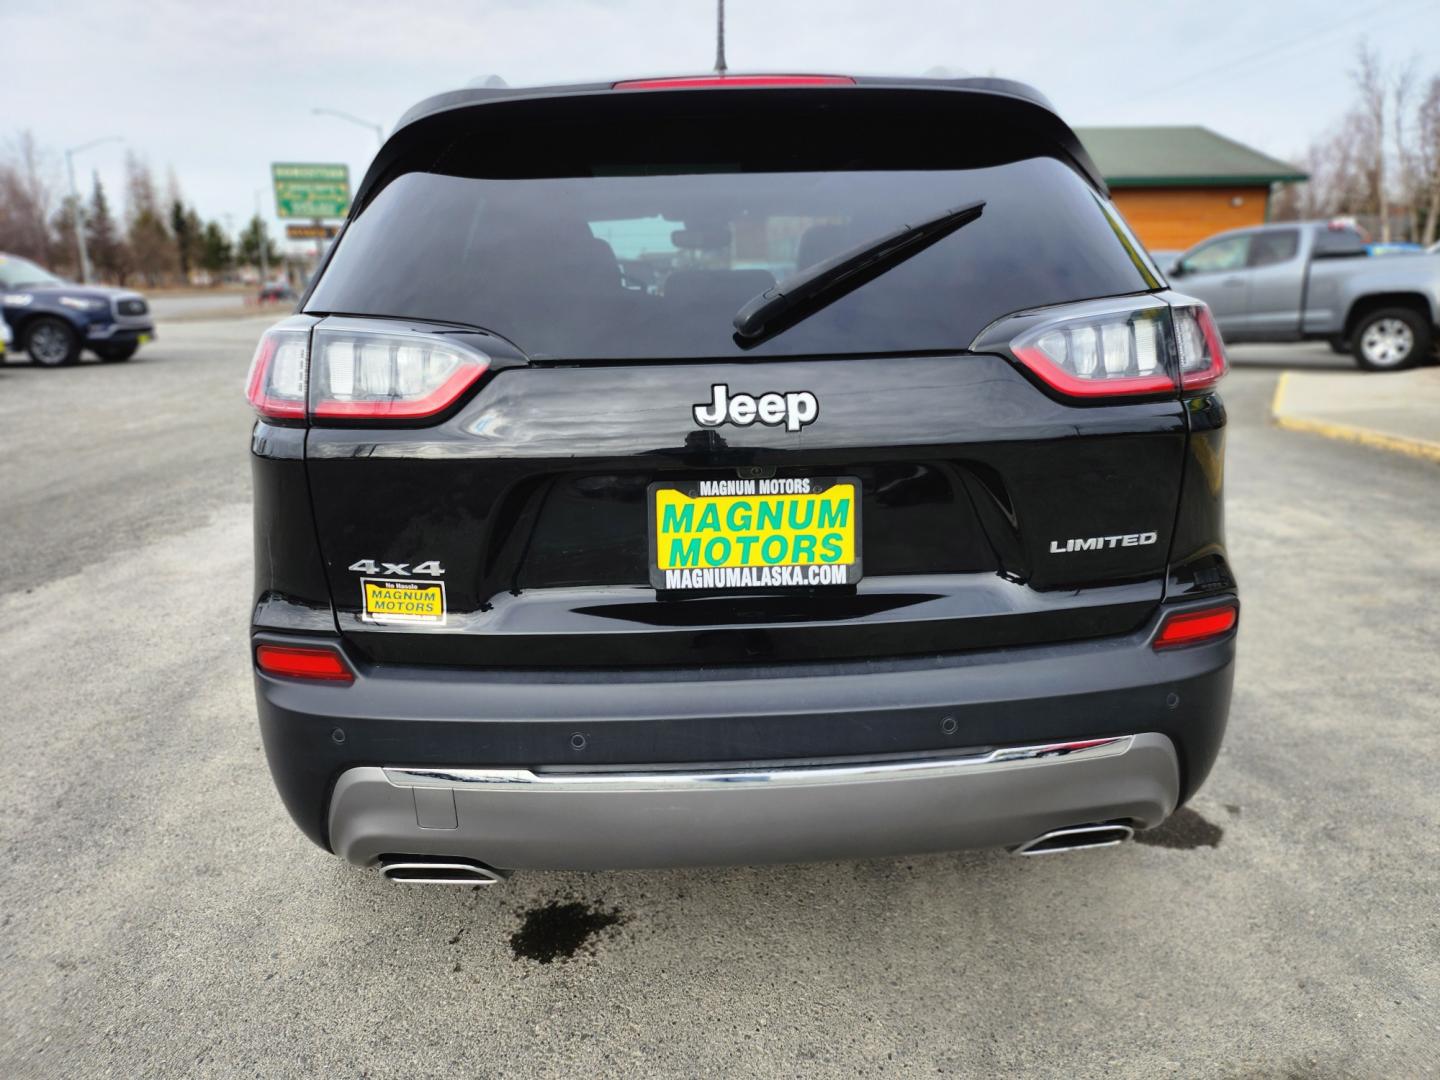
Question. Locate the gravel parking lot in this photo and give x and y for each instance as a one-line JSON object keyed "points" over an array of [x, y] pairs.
{"points": [[160, 915]]}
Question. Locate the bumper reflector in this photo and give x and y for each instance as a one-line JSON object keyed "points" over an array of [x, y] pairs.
{"points": [[1193, 627], [303, 662]]}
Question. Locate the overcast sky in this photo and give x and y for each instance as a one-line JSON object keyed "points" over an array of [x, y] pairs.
{"points": [[218, 89]]}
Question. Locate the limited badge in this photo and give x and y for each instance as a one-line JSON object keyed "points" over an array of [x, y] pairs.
{"points": [[404, 602]]}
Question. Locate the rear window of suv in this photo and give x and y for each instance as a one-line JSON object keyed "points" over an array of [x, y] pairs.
{"points": [[643, 256]]}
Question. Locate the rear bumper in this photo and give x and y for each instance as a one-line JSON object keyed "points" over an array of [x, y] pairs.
{"points": [[329, 745], [522, 819]]}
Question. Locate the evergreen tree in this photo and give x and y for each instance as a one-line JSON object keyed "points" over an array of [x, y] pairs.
{"points": [[254, 235], [216, 254], [66, 258], [108, 256], [195, 228], [186, 242]]}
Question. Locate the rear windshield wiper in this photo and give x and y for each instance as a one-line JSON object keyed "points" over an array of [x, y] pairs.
{"points": [[802, 294]]}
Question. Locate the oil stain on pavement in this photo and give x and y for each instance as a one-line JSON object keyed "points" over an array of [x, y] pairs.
{"points": [[1185, 830], [559, 929]]}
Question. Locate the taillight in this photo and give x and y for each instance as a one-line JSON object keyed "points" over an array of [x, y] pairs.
{"points": [[1194, 627], [275, 386], [352, 372], [733, 81], [1111, 348], [323, 663], [1124, 351], [390, 374], [1202, 353]]}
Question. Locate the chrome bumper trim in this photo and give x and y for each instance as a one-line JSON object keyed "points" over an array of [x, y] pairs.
{"points": [[793, 777]]}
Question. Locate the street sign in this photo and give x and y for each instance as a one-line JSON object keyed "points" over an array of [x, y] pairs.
{"points": [[311, 191], [310, 232]]}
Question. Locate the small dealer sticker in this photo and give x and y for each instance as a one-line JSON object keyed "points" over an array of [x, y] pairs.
{"points": [[403, 602]]}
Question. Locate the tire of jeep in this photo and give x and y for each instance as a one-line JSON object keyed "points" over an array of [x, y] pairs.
{"points": [[115, 354], [52, 342], [1390, 339]]}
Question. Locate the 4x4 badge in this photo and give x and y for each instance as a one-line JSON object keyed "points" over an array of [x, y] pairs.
{"points": [[794, 409]]}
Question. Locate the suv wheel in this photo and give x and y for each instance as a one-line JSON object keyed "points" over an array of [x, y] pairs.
{"points": [[114, 354], [1390, 339], [52, 343]]}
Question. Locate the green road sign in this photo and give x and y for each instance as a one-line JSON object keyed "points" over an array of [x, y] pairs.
{"points": [[311, 191]]}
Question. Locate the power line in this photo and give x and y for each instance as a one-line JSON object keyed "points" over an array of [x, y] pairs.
{"points": [[1269, 53]]}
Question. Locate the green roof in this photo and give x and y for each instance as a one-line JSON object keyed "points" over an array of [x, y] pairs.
{"points": [[1179, 157]]}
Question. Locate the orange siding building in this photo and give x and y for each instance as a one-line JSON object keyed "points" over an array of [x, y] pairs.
{"points": [[1178, 185]]}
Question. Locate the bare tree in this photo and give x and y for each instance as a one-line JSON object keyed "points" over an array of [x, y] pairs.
{"points": [[1406, 167], [1369, 83], [1381, 162], [1427, 160], [1338, 165], [151, 248], [27, 198]]}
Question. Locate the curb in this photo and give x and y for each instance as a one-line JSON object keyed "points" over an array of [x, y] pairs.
{"points": [[1376, 440]]}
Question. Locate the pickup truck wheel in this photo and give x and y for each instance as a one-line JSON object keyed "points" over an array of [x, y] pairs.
{"points": [[1390, 339], [52, 343], [113, 354]]}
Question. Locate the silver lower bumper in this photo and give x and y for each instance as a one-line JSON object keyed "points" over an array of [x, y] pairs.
{"points": [[556, 820]]}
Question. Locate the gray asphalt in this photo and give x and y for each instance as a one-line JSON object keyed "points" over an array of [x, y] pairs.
{"points": [[170, 307], [160, 915]]}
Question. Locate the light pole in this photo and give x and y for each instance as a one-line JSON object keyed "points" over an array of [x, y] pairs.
{"points": [[264, 243], [379, 131], [75, 202]]}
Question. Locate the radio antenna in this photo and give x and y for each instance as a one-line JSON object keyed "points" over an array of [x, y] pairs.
{"points": [[720, 67]]}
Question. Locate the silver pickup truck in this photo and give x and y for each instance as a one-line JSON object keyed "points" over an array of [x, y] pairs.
{"points": [[1304, 280]]}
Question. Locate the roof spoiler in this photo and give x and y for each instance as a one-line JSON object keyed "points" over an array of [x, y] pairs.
{"points": [[425, 118]]}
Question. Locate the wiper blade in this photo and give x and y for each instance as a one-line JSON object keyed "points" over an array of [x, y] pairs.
{"points": [[803, 294]]}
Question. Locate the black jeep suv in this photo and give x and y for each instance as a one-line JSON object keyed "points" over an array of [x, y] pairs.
{"points": [[716, 470]]}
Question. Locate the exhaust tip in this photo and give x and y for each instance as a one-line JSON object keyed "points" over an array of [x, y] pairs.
{"points": [[1076, 838], [437, 870]]}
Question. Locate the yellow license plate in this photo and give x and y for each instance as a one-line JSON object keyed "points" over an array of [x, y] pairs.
{"points": [[777, 533], [403, 602], [143, 339]]}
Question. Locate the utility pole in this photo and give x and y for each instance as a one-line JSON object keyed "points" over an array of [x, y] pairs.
{"points": [[720, 67], [264, 242], [79, 219], [83, 251]]}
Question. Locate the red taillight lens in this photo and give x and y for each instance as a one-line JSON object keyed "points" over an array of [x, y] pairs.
{"points": [[733, 81], [1101, 353], [1202, 353], [303, 662], [1107, 349], [275, 386], [351, 371], [1193, 627], [360, 373]]}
